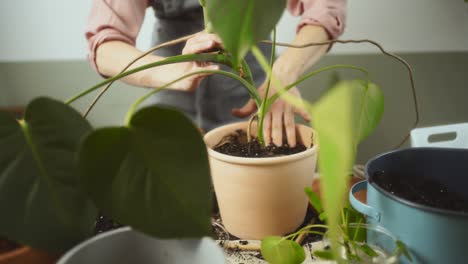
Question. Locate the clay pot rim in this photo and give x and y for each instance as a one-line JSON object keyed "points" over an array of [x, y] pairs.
{"points": [[258, 161], [14, 253]]}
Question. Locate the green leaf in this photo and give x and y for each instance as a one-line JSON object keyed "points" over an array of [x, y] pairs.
{"points": [[323, 216], [368, 250], [242, 23], [356, 233], [314, 200], [403, 249], [342, 118], [153, 175], [324, 254], [41, 201], [277, 250]]}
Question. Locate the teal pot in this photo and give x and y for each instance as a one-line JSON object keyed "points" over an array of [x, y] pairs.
{"points": [[126, 246], [432, 235]]}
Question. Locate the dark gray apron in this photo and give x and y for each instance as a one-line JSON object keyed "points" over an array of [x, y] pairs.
{"points": [[209, 106]]}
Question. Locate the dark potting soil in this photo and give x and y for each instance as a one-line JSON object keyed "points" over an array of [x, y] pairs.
{"points": [[7, 245], [422, 191], [104, 224], [236, 144]]}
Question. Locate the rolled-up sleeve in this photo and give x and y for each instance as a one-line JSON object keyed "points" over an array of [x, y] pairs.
{"points": [[113, 20], [330, 14]]}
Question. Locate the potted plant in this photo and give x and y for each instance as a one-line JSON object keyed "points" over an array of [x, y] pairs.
{"points": [[426, 186], [56, 169], [358, 242]]}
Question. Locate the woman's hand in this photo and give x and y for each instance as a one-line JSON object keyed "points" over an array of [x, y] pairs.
{"points": [[279, 118], [113, 56], [202, 42]]}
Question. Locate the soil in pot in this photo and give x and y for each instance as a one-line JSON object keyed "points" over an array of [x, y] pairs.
{"points": [[7, 245], [236, 144], [421, 190]]}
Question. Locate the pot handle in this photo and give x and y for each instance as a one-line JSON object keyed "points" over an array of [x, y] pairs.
{"points": [[360, 206]]}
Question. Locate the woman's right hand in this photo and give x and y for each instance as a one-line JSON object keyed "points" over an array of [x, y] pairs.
{"points": [[202, 42]]}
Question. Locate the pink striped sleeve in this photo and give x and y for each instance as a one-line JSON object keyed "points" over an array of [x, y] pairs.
{"points": [[113, 20], [330, 14]]}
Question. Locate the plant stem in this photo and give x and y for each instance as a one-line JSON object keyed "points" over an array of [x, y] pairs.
{"points": [[249, 127], [265, 96], [219, 58], [392, 55], [208, 27], [246, 73], [153, 49], [278, 85], [304, 229], [135, 105], [307, 76]]}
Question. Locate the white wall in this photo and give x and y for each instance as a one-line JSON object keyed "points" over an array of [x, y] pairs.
{"points": [[53, 29]]}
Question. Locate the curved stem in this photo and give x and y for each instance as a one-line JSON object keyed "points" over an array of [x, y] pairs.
{"points": [[392, 55], [219, 58], [249, 127], [246, 73], [265, 96], [135, 105], [306, 228], [153, 49], [305, 77]]}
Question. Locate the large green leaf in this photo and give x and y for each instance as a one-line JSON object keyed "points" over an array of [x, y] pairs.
{"points": [[40, 200], [153, 175], [242, 23], [277, 250], [343, 117]]}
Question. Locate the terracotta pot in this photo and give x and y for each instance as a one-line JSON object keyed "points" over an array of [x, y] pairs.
{"points": [[258, 197], [27, 255]]}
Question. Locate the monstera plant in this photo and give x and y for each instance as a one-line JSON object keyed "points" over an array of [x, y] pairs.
{"points": [[55, 169]]}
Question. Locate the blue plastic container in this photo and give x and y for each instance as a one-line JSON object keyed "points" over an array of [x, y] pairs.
{"points": [[433, 236]]}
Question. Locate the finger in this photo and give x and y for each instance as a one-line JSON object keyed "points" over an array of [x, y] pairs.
{"points": [[198, 47], [267, 129], [201, 43], [245, 110], [290, 126], [196, 80], [304, 114], [209, 36], [277, 125], [211, 67]]}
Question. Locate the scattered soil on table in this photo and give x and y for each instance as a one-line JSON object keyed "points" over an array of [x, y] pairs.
{"points": [[311, 217], [422, 191], [236, 144], [7, 245], [104, 224]]}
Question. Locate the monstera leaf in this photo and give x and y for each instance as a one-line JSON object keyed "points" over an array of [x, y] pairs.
{"points": [[343, 117], [41, 203], [242, 23], [152, 175]]}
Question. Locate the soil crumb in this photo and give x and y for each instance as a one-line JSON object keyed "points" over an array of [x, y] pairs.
{"points": [[237, 145]]}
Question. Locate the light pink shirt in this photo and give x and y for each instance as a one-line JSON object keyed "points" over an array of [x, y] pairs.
{"points": [[122, 19]]}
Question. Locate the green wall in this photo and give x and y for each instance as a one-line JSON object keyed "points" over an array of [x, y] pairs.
{"points": [[441, 81]]}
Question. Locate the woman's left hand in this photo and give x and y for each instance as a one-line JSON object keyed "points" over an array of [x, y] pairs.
{"points": [[279, 118]]}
